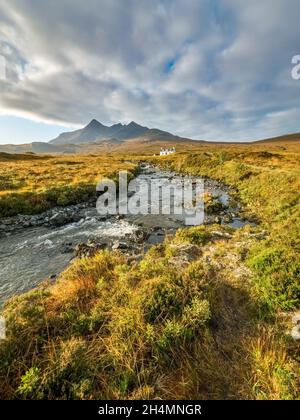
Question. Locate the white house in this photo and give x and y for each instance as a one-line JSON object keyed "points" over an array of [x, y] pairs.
{"points": [[166, 152]]}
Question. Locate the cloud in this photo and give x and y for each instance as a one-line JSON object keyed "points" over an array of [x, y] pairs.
{"points": [[212, 69]]}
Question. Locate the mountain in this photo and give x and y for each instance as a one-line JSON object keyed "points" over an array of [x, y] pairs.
{"points": [[97, 138], [95, 132], [92, 132], [93, 138]]}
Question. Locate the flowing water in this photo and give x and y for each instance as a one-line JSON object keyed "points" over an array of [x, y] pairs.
{"points": [[31, 255]]}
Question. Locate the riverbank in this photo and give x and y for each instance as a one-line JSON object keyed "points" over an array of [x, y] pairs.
{"points": [[31, 184], [221, 207], [36, 247], [268, 184], [111, 327], [213, 302]]}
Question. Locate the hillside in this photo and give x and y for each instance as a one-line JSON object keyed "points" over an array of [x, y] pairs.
{"points": [[295, 137]]}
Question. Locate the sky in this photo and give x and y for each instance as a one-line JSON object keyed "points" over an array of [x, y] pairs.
{"points": [[204, 69]]}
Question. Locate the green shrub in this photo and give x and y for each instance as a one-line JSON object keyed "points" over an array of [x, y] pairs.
{"points": [[30, 386]]}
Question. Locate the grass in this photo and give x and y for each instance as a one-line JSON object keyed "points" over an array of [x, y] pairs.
{"points": [[205, 315], [268, 183], [31, 184], [111, 329]]}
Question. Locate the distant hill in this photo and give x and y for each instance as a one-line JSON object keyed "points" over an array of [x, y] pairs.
{"points": [[282, 139], [37, 147], [8, 157]]}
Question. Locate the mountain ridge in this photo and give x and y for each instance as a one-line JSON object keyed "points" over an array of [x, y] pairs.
{"points": [[95, 131], [96, 137]]}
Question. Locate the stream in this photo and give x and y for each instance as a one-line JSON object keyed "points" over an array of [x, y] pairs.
{"points": [[28, 255]]}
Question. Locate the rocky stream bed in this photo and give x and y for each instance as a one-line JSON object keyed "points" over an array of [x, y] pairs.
{"points": [[37, 247]]}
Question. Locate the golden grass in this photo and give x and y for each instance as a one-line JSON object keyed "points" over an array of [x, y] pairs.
{"points": [[216, 327], [38, 175], [113, 329], [31, 184]]}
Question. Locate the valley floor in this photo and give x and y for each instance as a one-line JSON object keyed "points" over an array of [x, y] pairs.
{"points": [[205, 315]]}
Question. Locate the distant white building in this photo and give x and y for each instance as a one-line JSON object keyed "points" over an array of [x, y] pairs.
{"points": [[166, 152]]}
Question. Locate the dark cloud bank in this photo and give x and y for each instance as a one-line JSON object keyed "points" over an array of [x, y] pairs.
{"points": [[207, 69]]}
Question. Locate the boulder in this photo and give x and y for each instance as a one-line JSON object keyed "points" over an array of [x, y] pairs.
{"points": [[120, 246], [59, 219], [184, 254], [89, 249]]}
